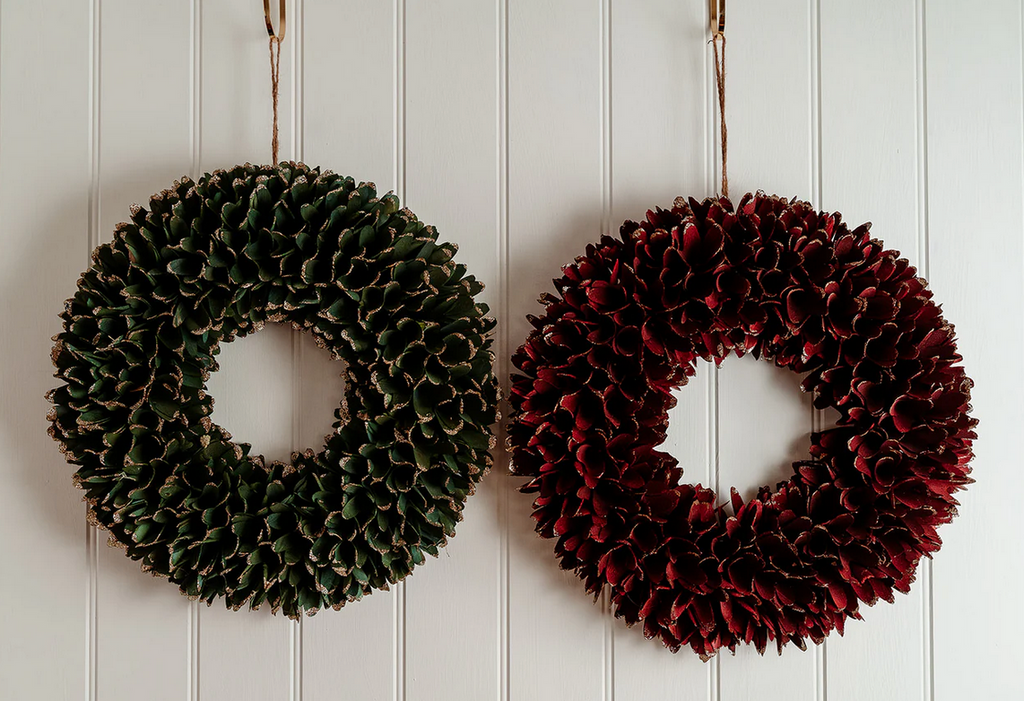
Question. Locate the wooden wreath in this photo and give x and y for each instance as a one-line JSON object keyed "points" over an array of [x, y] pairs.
{"points": [[776, 279], [213, 261]]}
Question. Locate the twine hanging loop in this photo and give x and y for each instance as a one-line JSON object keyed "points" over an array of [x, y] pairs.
{"points": [[723, 130], [275, 65], [716, 15]]}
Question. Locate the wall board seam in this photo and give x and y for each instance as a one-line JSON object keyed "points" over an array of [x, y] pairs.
{"points": [[298, 80], [711, 168], [195, 145], [503, 479], [296, 627], [92, 534], [817, 415], [921, 126], [605, 106], [399, 612]]}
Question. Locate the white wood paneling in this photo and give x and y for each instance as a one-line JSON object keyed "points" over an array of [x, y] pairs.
{"points": [[247, 656], [556, 633], [658, 129], [869, 160], [142, 621], [452, 603], [974, 185], [46, 627], [763, 420], [523, 130], [348, 126]]}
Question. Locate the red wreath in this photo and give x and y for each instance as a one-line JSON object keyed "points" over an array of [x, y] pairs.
{"points": [[776, 279]]}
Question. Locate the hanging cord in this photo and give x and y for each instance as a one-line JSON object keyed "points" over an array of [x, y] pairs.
{"points": [[275, 62], [275, 80], [724, 134]]}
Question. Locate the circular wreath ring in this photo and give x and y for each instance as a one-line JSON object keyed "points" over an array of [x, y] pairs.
{"points": [[776, 279], [212, 261]]}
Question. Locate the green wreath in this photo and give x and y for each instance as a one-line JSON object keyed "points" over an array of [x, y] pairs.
{"points": [[213, 261]]}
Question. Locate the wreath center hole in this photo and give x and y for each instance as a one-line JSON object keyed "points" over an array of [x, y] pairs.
{"points": [[276, 390], [742, 425]]}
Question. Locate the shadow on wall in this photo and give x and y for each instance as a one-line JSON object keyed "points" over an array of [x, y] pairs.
{"points": [[34, 293]]}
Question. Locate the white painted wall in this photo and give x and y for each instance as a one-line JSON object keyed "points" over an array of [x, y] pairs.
{"points": [[522, 129]]}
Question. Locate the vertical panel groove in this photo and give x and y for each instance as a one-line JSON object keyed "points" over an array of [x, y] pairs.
{"points": [[192, 669], [92, 535], [712, 174], [94, 134], [298, 81], [713, 482], [298, 55], [196, 87], [92, 554], [922, 139], [815, 101], [817, 415], [605, 102], [399, 99], [606, 118], [927, 606], [295, 627], [399, 185], [195, 143], [714, 151], [503, 476], [714, 667], [709, 146]]}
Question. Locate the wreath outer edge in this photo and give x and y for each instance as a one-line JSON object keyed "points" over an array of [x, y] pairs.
{"points": [[777, 279], [214, 260]]}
